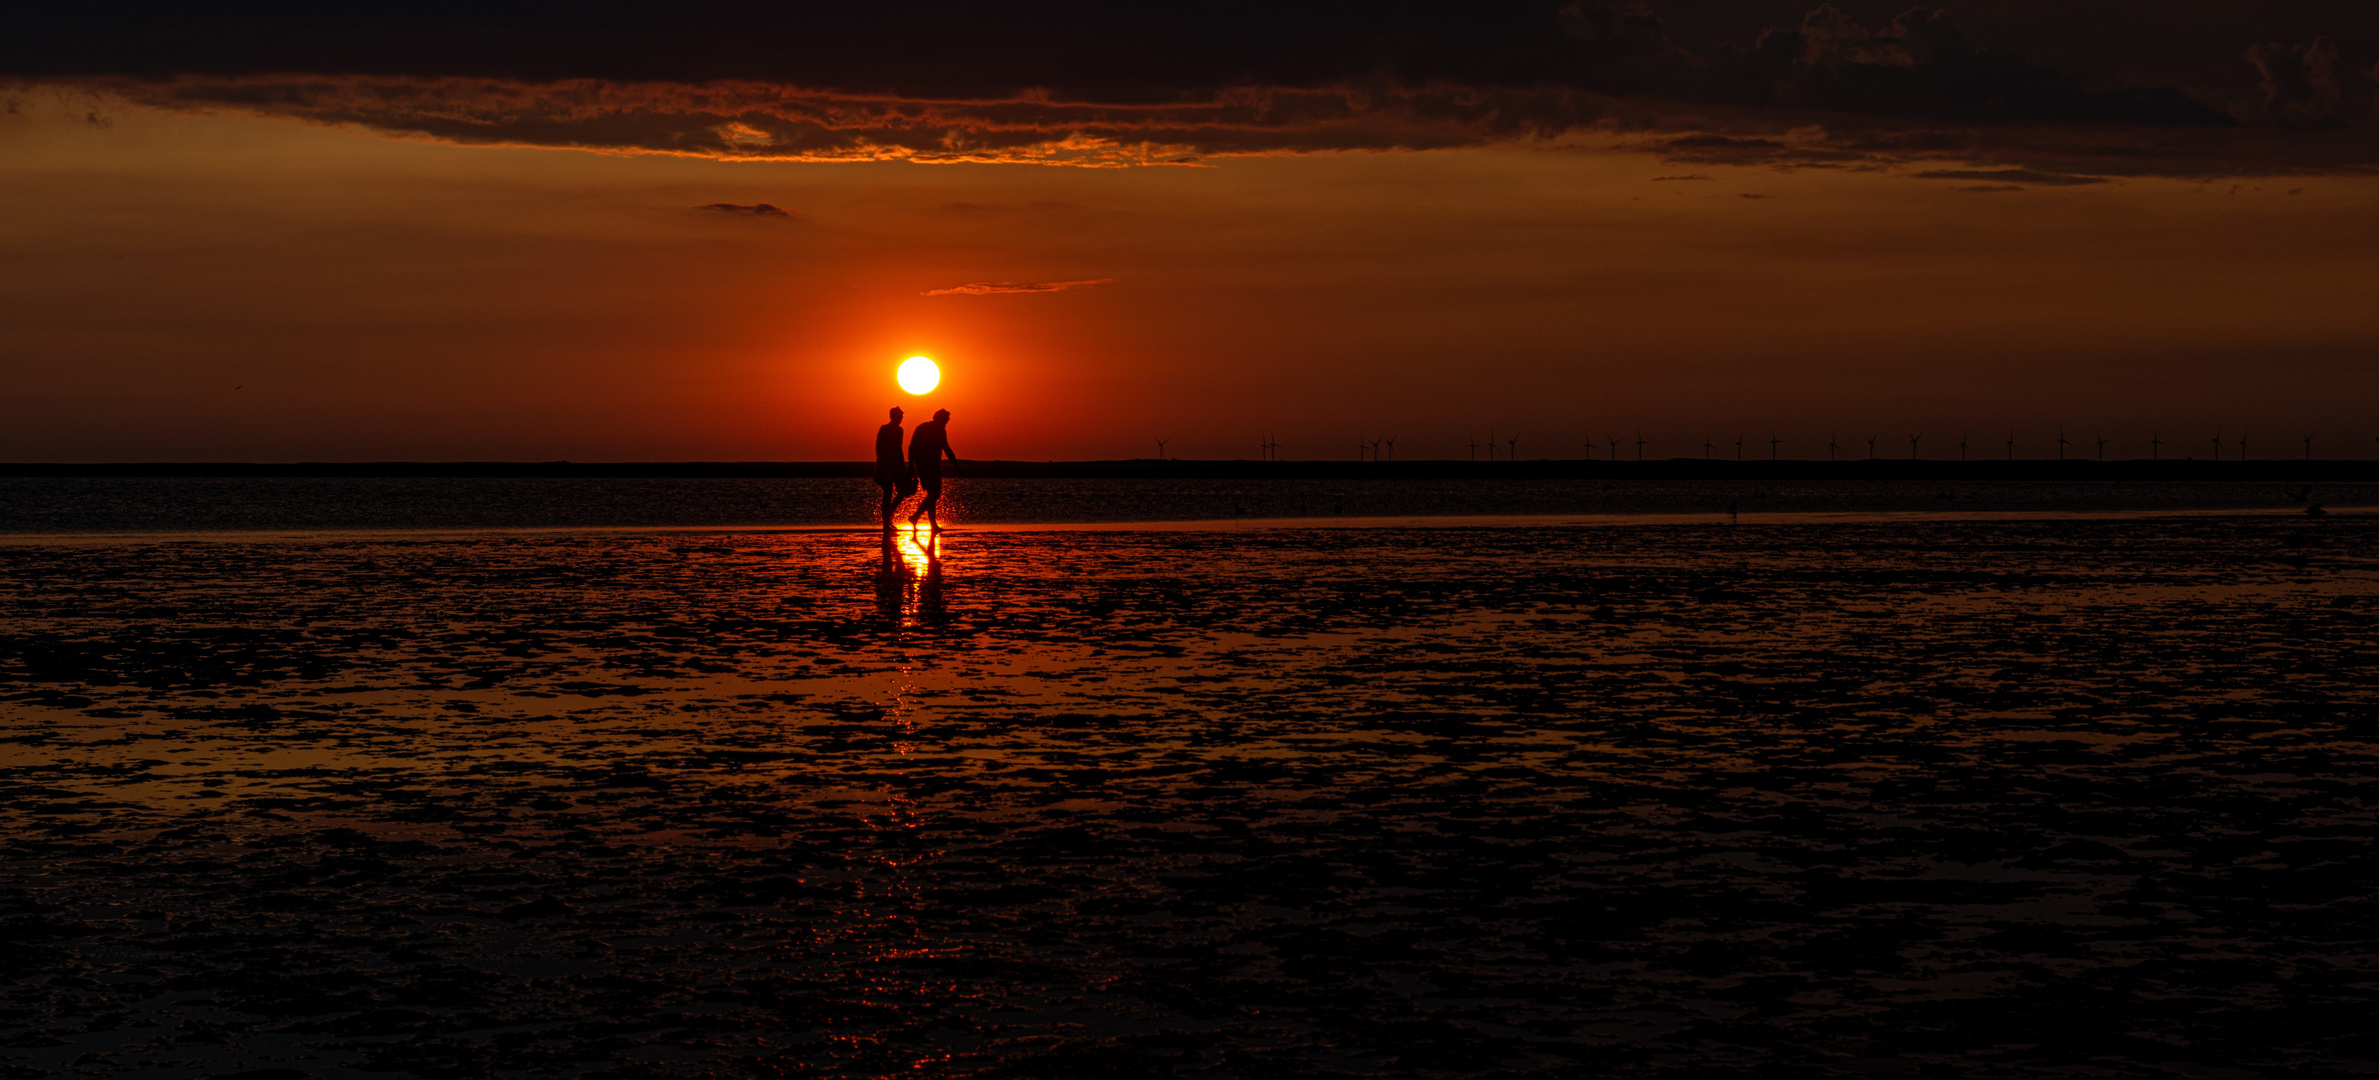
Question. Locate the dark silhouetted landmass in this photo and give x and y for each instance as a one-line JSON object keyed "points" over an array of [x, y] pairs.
{"points": [[2275, 470]]}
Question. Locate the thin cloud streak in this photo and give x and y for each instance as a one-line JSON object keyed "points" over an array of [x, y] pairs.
{"points": [[987, 288], [2011, 176], [751, 209]]}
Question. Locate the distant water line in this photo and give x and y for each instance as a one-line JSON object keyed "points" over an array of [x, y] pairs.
{"points": [[206, 505]]}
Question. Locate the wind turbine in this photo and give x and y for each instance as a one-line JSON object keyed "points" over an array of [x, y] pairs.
{"points": [[2060, 444], [2102, 448], [1961, 446], [1160, 448], [1640, 446], [1738, 446], [1912, 441], [1514, 455], [1474, 446], [1831, 446], [1706, 446], [1773, 443], [2308, 448], [2217, 444], [2242, 446], [1614, 441], [2155, 445], [1391, 447], [2011, 444], [1871, 446]]}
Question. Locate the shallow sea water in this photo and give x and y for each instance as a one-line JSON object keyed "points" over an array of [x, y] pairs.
{"points": [[1910, 798], [67, 505]]}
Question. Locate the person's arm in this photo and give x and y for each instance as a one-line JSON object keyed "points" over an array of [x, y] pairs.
{"points": [[953, 456]]}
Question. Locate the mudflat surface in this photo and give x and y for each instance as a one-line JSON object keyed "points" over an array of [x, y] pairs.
{"points": [[1909, 799]]}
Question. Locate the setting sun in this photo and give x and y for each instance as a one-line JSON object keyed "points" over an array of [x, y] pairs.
{"points": [[919, 374]]}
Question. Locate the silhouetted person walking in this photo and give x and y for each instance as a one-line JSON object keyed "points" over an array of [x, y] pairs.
{"points": [[927, 447], [892, 473]]}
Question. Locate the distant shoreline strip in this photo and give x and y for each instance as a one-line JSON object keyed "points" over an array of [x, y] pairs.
{"points": [[1903, 470], [1410, 521]]}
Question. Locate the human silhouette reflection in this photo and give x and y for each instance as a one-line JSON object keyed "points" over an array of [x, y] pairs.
{"points": [[909, 577], [929, 587], [926, 450], [892, 471], [892, 579]]}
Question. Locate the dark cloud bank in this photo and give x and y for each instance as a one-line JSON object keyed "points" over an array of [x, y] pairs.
{"points": [[2177, 89]]}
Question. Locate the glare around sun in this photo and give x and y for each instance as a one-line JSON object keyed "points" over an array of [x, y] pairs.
{"points": [[919, 374]]}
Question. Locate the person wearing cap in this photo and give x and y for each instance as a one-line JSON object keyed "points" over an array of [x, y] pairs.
{"points": [[892, 473], [926, 450]]}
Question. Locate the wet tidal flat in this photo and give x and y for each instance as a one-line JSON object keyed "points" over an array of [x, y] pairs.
{"points": [[1904, 799]]}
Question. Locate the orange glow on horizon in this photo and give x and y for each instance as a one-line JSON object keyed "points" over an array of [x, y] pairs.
{"points": [[1316, 300]]}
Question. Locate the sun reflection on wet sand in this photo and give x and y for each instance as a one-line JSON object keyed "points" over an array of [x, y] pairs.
{"points": [[909, 576]]}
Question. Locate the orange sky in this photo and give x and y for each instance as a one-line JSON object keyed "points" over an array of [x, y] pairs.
{"points": [[372, 297]]}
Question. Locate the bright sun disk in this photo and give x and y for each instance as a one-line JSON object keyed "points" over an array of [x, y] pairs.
{"points": [[919, 374]]}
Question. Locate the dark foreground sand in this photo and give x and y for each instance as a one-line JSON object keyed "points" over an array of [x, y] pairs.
{"points": [[1971, 799]]}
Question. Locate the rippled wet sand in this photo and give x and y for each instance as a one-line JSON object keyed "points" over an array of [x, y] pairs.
{"points": [[1963, 799]]}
